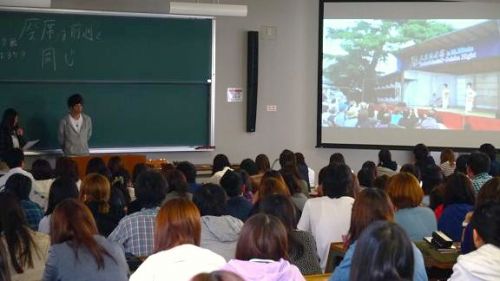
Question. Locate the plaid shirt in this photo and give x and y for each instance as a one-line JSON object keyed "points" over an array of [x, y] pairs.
{"points": [[479, 180], [33, 213], [135, 232]]}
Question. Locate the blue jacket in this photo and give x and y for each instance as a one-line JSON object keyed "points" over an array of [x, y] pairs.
{"points": [[451, 220]]}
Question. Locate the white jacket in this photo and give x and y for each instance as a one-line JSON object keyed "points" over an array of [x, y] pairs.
{"points": [[482, 264]]}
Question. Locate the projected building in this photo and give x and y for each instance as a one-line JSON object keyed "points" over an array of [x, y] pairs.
{"points": [[436, 72]]}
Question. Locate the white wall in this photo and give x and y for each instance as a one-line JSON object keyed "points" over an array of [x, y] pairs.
{"points": [[287, 78]]}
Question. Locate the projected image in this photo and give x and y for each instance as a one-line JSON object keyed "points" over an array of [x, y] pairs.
{"points": [[441, 74]]}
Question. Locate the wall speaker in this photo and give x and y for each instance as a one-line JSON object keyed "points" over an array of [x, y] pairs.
{"points": [[252, 78]]}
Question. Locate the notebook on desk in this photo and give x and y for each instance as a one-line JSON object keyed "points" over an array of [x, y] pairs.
{"points": [[30, 144]]}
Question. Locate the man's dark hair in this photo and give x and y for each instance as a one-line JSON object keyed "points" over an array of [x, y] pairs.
{"points": [[489, 150], [337, 158], [74, 100], [188, 169], [19, 185], [150, 188], [14, 157], [210, 200], [231, 182], [479, 162], [337, 180], [486, 221]]}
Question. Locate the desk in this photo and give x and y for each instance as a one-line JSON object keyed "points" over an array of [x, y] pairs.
{"points": [[433, 258], [335, 256], [317, 277]]}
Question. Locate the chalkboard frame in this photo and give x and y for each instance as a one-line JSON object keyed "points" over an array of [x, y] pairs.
{"points": [[143, 149]]}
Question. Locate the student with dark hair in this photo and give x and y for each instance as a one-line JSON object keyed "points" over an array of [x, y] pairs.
{"points": [[96, 165], [385, 164], [177, 186], [15, 161], [189, 171], [236, 205], [458, 200], [44, 177], [11, 134], [461, 163], [290, 172], [491, 151], [305, 171], [262, 252], [62, 188], [406, 195], [219, 275], [120, 177], [78, 252], [478, 166], [20, 186], [135, 232], [75, 129], [263, 165], [301, 244], [425, 164], [177, 252], [390, 257], [219, 166], [371, 205], [67, 168], [380, 182], [27, 250], [367, 175], [135, 205], [327, 217], [249, 166], [337, 158], [483, 263], [219, 231]]}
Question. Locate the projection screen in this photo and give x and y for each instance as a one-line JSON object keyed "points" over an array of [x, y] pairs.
{"points": [[400, 73]]}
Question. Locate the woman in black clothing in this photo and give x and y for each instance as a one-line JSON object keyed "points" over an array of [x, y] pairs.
{"points": [[11, 135]]}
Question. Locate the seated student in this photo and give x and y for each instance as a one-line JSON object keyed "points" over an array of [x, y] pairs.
{"points": [[290, 172], [27, 250], [328, 217], [20, 186], [189, 171], [67, 168], [391, 256], [478, 165], [219, 275], [15, 160], [62, 188], [262, 252], [367, 174], [483, 263], [491, 151], [177, 255], [135, 232], [406, 195], [249, 166], [301, 244], [385, 164], [372, 204], [44, 177], [447, 159], [95, 193], [135, 205], [219, 167], [306, 172], [458, 201], [78, 253], [236, 206], [219, 232], [177, 186], [263, 165], [120, 177]]}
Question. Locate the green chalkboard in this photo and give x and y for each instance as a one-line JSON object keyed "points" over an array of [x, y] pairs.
{"points": [[145, 80]]}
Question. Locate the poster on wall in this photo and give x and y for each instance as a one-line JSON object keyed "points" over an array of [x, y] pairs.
{"points": [[234, 94]]}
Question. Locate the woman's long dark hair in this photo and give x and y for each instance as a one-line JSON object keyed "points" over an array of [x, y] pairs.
{"points": [[8, 119], [73, 222], [282, 207], [16, 232]]}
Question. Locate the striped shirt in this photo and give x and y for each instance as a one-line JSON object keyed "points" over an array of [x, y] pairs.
{"points": [[480, 179], [135, 232]]}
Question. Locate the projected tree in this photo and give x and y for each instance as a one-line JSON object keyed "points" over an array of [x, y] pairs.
{"points": [[370, 42]]}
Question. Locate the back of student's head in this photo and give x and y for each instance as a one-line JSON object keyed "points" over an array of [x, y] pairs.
{"points": [[262, 162], [404, 191], [249, 166], [486, 222], [478, 162], [461, 163], [232, 183], [73, 222], [219, 275], [490, 191], [19, 185], [447, 155], [41, 170], [138, 170], [13, 157], [188, 169], [420, 152], [384, 156], [366, 177], [370, 205], [96, 188], [458, 190], [489, 150], [220, 162], [210, 200], [66, 168], [412, 169], [383, 252], [177, 223], [98, 166], [281, 207], [287, 160], [150, 188], [62, 188], [115, 164], [381, 181], [270, 186], [9, 119], [262, 237], [337, 181], [176, 182], [337, 158]]}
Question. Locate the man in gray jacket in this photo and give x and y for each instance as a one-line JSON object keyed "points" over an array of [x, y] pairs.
{"points": [[75, 129]]}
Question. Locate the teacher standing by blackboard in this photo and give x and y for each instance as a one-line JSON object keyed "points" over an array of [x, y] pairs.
{"points": [[75, 129]]}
